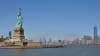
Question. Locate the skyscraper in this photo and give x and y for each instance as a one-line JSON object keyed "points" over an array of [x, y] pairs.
{"points": [[10, 35], [95, 33]]}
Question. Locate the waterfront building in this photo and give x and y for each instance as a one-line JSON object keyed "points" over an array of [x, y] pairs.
{"points": [[76, 41], [86, 40]]}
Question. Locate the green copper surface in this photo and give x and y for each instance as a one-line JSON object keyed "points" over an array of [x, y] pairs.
{"points": [[19, 19]]}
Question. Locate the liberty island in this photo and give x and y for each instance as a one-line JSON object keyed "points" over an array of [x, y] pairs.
{"points": [[18, 39]]}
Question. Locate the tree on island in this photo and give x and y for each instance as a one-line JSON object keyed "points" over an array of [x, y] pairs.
{"points": [[2, 38]]}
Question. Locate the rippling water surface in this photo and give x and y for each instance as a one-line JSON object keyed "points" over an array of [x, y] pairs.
{"points": [[67, 51]]}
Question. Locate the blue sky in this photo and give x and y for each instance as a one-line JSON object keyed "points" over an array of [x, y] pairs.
{"points": [[56, 19]]}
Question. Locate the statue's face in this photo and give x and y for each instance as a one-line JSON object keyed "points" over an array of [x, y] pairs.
{"points": [[20, 17]]}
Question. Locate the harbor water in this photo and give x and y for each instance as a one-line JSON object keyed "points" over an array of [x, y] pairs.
{"points": [[93, 50]]}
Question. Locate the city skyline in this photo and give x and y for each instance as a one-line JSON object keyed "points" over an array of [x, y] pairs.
{"points": [[58, 19]]}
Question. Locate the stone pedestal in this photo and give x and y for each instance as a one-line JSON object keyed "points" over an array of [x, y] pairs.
{"points": [[18, 35]]}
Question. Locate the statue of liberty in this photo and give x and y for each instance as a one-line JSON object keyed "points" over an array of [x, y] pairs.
{"points": [[20, 19]]}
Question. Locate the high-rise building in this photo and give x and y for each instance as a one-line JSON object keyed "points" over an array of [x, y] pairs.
{"points": [[10, 34], [95, 33]]}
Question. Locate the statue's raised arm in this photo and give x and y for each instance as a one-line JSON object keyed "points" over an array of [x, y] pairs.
{"points": [[20, 19]]}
